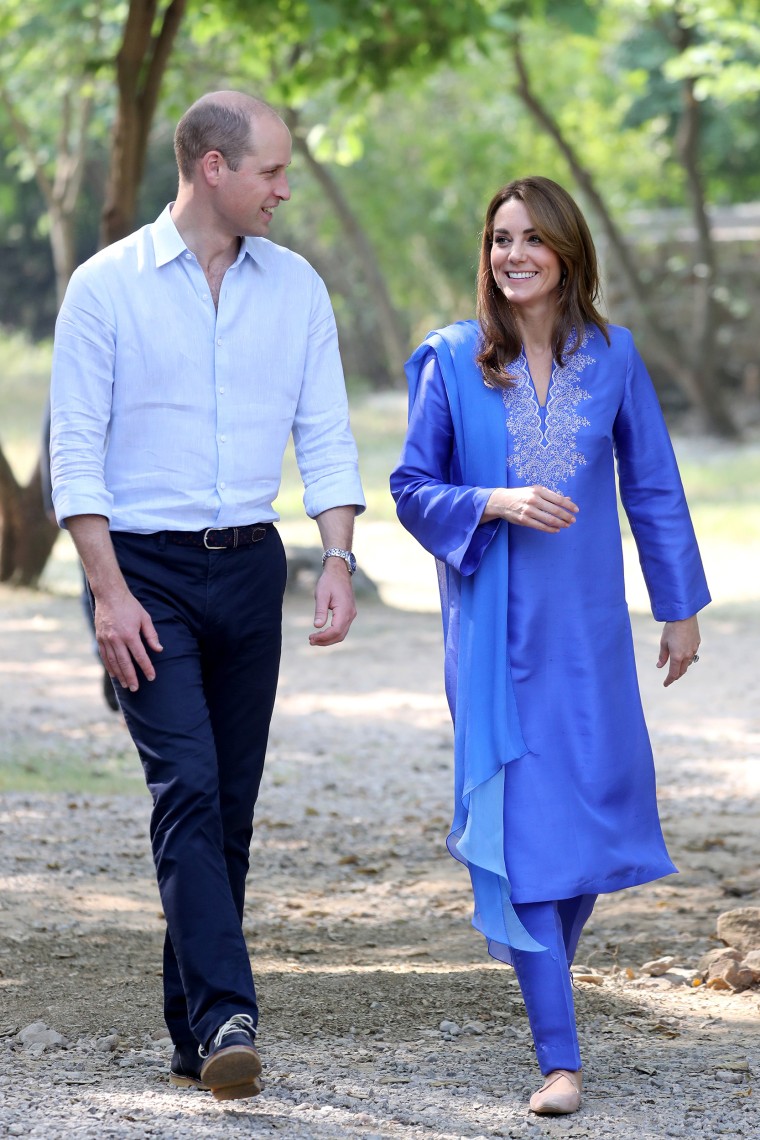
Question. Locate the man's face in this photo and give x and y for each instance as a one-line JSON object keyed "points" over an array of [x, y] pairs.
{"points": [[246, 197]]}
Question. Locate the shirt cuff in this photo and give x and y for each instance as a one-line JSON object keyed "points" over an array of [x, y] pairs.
{"points": [[331, 492], [82, 500]]}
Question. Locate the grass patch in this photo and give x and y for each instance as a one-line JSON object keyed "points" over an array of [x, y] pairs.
{"points": [[68, 771]]}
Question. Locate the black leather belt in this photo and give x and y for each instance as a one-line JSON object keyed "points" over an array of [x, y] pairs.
{"points": [[220, 537]]}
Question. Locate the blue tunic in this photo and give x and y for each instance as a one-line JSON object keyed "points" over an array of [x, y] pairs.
{"points": [[554, 778]]}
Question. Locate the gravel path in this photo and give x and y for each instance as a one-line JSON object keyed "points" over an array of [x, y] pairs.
{"points": [[381, 1014]]}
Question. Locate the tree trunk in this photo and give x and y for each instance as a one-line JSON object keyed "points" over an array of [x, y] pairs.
{"points": [[140, 67], [26, 534], [705, 311], [60, 192], [702, 388], [392, 333]]}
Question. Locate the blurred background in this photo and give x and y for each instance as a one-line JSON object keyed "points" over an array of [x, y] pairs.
{"points": [[406, 117]]}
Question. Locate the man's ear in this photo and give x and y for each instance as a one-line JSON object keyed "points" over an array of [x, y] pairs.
{"points": [[210, 166]]}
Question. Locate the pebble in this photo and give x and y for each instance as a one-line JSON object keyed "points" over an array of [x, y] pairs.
{"points": [[659, 966], [740, 928], [39, 1037]]}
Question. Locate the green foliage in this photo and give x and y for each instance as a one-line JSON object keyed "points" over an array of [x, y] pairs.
{"points": [[356, 45], [716, 44]]}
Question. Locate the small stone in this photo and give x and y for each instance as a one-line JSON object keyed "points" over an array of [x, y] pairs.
{"points": [[450, 1027], [751, 962], [38, 1034], [16, 1129], [108, 1044], [658, 966], [740, 928], [474, 1027], [665, 982], [732, 973], [712, 956], [684, 974]]}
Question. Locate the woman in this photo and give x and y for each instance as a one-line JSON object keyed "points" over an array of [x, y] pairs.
{"points": [[508, 477]]}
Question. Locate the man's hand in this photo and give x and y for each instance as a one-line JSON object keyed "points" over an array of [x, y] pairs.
{"points": [[123, 628], [334, 594], [535, 507], [679, 643]]}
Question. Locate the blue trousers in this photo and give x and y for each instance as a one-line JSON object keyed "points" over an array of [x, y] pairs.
{"points": [[545, 981], [201, 730]]}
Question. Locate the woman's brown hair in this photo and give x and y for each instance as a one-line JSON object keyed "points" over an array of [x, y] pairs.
{"points": [[561, 226]]}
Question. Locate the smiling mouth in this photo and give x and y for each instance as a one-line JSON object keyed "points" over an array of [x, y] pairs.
{"points": [[521, 276]]}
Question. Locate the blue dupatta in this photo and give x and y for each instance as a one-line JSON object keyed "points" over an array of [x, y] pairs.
{"points": [[487, 734]]}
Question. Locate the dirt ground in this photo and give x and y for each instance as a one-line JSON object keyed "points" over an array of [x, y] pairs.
{"points": [[357, 918]]}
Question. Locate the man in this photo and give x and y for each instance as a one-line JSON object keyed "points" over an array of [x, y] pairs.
{"points": [[184, 356]]}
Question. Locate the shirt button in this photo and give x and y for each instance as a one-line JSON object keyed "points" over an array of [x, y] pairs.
{"points": [[223, 438], [221, 391], [223, 485], [204, 297], [188, 257], [219, 340]]}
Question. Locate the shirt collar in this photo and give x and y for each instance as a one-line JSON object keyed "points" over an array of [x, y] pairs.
{"points": [[168, 243]]}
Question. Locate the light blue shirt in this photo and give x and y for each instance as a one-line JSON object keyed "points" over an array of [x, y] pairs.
{"points": [[169, 415]]}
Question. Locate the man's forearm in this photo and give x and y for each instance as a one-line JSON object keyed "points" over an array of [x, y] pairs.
{"points": [[92, 539], [336, 527]]}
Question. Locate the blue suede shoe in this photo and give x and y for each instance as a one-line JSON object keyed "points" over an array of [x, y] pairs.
{"points": [[185, 1071], [232, 1066]]}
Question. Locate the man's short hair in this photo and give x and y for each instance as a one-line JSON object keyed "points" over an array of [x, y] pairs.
{"points": [[211, 125]]}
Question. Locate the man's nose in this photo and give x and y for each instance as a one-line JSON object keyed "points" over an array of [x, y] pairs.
{"points": [[282, 188]]}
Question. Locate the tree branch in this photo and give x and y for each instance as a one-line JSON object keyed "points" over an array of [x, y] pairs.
{"points": [[703, 392], [25, 141], [392, 334]]}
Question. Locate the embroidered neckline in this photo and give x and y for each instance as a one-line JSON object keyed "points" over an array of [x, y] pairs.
{"points": [[544, 448]]}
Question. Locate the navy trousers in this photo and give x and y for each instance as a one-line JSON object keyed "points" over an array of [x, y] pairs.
{"points": [[545, 981], [201, 730]]}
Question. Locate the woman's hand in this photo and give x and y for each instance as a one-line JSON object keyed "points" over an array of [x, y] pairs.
{"points": [[679, 644], [537, 507]]}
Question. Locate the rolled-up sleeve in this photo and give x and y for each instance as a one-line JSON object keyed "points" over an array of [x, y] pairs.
{"points": [[80, 401], [325, 448]]}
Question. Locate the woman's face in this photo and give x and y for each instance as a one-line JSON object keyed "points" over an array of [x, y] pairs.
{"points": [[525, 270]]}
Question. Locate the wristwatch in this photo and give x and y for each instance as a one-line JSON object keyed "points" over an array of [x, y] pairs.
{"points": [[346, 555]]}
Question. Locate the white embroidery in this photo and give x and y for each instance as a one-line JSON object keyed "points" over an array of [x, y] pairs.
{"points": [[546, 455]]}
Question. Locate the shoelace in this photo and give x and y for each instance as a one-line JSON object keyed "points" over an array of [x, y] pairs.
{"points": [[239, 1022]]}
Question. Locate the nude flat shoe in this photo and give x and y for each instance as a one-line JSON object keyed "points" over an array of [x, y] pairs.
{"points": [[560, 1093]]}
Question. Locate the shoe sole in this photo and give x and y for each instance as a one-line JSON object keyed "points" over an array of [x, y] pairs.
{"points": [[180, 1082], [551, 1107], [233, 1073]]}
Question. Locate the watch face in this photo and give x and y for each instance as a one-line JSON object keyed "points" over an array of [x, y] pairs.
{"points": [[351, 563]]}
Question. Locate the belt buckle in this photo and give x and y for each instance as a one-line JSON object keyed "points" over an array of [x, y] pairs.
{"points": [[213, 530]]}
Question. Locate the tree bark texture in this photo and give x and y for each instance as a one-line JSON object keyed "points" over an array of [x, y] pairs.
{"points": [[700, 384], [26, 534], [140, 67], [392, 333]]}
